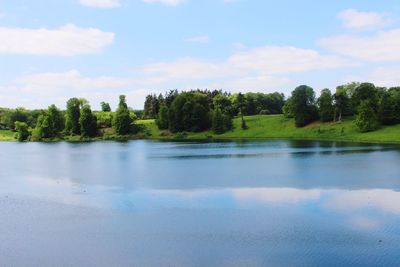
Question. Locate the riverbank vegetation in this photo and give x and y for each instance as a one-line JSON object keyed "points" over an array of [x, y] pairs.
{"points": [[355, 111]]}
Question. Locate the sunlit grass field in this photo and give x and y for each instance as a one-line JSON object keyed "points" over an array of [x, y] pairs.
{"points": [[277, 126]]}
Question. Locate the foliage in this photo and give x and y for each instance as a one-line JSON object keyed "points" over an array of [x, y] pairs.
{"points": [[304, 109], [49, 124], [22, 131], [104, 119], [152, 106], [87, 122], [105, 107], [189, 112], [366, 119], [72, 115], [162, 121], [325, 104], [122, 119]]}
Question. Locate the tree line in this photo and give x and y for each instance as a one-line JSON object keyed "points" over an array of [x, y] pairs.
{"points": [[201, 110], [372, 106], [77, 120]]}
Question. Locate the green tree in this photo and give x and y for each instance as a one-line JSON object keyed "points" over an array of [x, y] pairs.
{"points": [[104, 119], [72, 115], [49, 124], [19, 114], [122, 119], [366, 119], [241, 105], [87, 122], [387, 109], [218, 121], [341, 103], [326, 109], [162, 121], [105, 107], [304, 109], [288, 108], [190, 111], [22, 131], [365, 92]]}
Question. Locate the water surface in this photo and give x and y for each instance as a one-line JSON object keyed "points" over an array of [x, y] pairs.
{"points": [[148, 203]]}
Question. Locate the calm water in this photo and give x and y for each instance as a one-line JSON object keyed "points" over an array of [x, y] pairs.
{"points": [[145, 203]]}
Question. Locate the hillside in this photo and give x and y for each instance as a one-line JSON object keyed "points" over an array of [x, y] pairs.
{"points": [[276, 126]]}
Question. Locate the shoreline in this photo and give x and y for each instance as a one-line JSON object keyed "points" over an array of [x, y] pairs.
{"points": [[261, 127]]}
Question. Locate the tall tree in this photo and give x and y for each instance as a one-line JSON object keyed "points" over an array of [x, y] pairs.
{"points": [[241, 105], [162, 121], [105, 107], [366, 119], [87, 122], [326, 110], [304, 109], [72, 116], [122, 119]]}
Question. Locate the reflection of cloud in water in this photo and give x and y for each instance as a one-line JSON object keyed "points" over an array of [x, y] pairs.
{"points": [[364, 222], [382, 199], [275, 195], [99, 196]]}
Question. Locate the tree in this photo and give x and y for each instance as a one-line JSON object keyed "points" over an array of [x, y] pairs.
{"points": [[304, 109], [162, 121], [366, 119], [325, 104], [72, 115], [218, 121], [288, 108], [122, 119], [387, 109], [19, 114], [87, 122], [104, 119], [365, 92], [241, 104], [190, 111], [341, 102], [105, 107], [22, 131], [49, 124]]}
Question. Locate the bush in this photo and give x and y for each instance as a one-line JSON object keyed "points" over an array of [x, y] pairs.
{"points": [[22, 131], [366, 119]]}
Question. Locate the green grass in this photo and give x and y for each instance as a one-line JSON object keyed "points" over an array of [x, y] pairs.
{"points": [[6, 135], [260, 127], [278, 127]]}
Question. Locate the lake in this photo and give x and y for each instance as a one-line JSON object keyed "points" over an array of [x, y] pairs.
{"points": [[152, 203]]}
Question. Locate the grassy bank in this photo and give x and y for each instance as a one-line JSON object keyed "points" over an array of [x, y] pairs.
{"points": [[276, 126], [273, 126]]}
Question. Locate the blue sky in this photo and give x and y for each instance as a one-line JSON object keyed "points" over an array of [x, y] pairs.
{"points": [[97, 49]]}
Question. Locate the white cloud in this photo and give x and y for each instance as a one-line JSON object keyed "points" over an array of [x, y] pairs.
{"points": [[198, 39], [260, 69], [187, 68], [100, 3], [69, 81], [166, 2], [382, 46], [254, 83], [354, 19], [284, 59], [381, 76], [68, 40]]}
